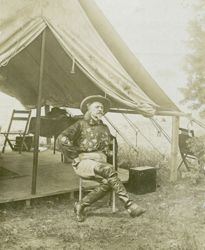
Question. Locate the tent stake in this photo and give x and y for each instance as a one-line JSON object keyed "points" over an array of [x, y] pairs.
{"points": [[38, 114], [174, 148]]}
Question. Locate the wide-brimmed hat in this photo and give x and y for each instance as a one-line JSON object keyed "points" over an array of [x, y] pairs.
{"points": [[95, 98]]}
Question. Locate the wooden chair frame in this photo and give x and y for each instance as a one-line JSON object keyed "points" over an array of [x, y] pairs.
{"points": [[185, 152], [16, 116]]}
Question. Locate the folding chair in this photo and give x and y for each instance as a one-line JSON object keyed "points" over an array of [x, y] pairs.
{"points": [[112, 160], [17, 115], [185, 152]]}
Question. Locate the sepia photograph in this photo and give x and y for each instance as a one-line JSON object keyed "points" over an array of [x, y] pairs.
{"points": [[102, 125]]}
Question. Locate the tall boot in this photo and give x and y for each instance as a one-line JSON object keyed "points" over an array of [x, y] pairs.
{"points": [[96, 194], [106, 171], [99, 192]]}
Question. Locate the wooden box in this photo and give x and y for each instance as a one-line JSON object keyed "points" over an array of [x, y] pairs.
{"points": [[28, 141], [142, 180]]}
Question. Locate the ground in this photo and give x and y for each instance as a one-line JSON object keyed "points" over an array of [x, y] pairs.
{"points": [[175, 219]]}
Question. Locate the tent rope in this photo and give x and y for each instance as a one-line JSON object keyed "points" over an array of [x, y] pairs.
{"points": [[159, 128], [156, 126], [119, 133], [73, 66], [200, 124], [134, 126]]}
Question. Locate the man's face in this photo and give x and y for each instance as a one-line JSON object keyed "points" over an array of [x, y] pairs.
{"points": [[96, 110]]}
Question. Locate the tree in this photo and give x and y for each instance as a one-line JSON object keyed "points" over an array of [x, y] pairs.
{"points": [[194, 92]]}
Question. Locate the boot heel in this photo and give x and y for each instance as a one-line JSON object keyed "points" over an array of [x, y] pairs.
{"points": [[78, 210], [134, 210]]}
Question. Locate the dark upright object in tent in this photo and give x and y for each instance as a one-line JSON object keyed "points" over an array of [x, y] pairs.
{"points": [[53, 123]]}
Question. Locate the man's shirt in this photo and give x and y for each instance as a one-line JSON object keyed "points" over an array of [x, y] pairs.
{"points": [[88, 135]]}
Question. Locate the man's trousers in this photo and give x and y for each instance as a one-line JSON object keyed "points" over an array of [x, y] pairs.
{"points": [[93, 166]]}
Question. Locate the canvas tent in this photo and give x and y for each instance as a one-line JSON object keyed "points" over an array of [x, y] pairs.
{"points": [[62, 41], [72, 43]]}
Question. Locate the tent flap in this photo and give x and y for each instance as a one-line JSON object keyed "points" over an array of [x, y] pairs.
{"points": [[77, 61]]}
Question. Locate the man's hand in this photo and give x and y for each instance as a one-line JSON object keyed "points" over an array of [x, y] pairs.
{"points": [[64, 140], [75, 162]]}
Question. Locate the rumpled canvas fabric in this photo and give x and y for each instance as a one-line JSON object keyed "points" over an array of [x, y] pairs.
{"points": [[23, 21]]}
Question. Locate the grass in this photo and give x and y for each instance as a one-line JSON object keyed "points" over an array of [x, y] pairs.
{"points": [[175, 217], [128, 158], [174, 221]]}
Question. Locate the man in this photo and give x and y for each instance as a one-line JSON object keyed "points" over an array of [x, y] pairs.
{"points": [[88, 142]]}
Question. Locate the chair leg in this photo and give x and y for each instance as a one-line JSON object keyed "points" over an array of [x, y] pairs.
{"points": [[180, 164], [80, 189], [62, 157], [54, 145], [113, 201], [185, 162]]}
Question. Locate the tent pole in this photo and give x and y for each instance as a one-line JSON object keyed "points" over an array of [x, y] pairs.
{"points": [[174, 148], [157, 113], [172, 113], [38, 114]]}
